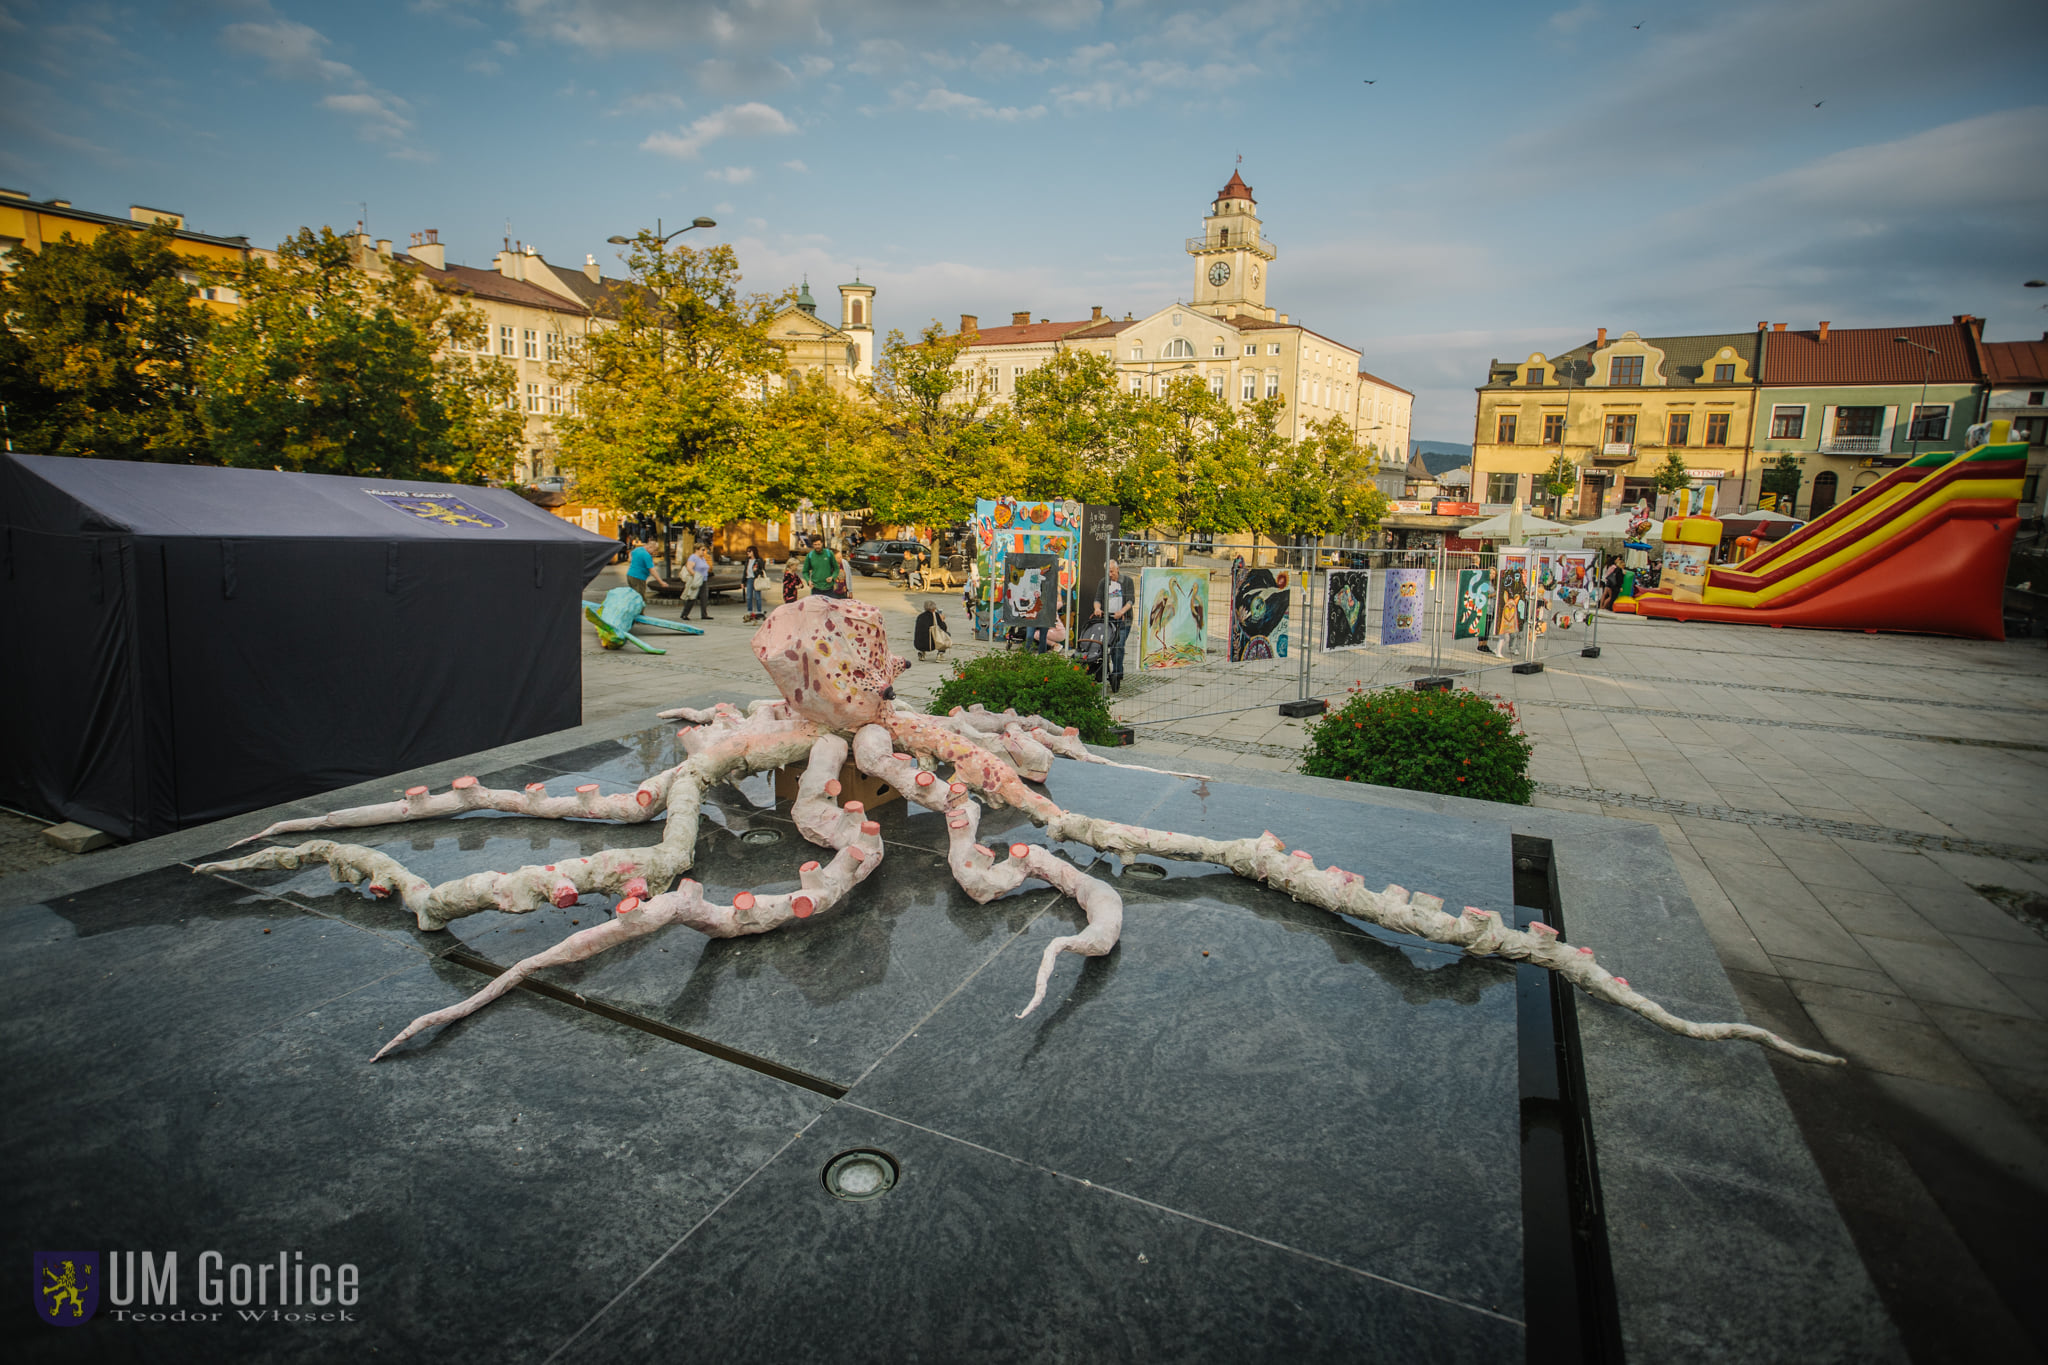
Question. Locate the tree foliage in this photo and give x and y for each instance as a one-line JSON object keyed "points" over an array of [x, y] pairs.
{"points": [[1672, 476], [678, 391], [100, 355], [1562, 475], [1782, 477]]}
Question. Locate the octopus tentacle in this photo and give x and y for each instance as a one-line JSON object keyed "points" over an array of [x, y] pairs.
{"points": [[858, 842]]}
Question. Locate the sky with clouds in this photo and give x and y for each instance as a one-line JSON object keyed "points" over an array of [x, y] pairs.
{"points": [[1446, 183]]}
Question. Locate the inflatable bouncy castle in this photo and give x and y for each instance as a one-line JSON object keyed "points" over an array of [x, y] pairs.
{"points": [[1923, 549]]}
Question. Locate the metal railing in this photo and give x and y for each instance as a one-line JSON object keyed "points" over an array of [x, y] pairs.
{"points": [[1260, 245]]}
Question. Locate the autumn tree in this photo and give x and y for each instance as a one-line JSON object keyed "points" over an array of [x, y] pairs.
{"points": [[670, 391], [1323, 484], [100, 351], [330, 368], [936, 446]]}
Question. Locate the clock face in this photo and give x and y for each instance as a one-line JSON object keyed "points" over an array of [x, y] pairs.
{"points": [[1218, 273]]}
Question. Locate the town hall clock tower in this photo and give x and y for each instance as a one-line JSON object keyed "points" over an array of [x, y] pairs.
{"points": [[1231, 256]]}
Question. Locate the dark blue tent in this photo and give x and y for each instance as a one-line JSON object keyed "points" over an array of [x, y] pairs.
{"points": [[179, 644]]}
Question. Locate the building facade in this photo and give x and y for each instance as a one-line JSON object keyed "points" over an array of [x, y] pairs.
{"points": [[2016, 390], [1226, 336], [29, 224], [1849, 403], [1616, 409], [845, 353]]}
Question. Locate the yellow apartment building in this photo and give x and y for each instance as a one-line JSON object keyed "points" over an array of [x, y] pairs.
{"points": [[30, 223], [1616, 408]]}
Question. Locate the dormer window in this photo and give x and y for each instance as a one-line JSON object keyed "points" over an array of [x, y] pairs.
{"points": [[1625, 371], [1724, 374], [1535, 374]]}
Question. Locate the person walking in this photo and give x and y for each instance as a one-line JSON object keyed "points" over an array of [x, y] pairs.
{"points": [[842, 584], [792, 581], [930, 634], [1116, 603], [640, 566], [697, 586], [820, 567], [750, 582]]}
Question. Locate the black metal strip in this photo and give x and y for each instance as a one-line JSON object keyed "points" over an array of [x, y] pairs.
{"points": [[710, 1047], [1568, 1292]]}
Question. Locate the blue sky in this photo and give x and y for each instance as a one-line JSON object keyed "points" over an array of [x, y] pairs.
{"points": [[1516, 175]]}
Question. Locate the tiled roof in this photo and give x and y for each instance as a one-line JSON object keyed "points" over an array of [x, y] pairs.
{"points": [[2016, 362], [1250, 324], [489, 284], [1868, 355], [1383, 383], [1236, 189], [1685, 358], [1108, 327], [1026, 334]]}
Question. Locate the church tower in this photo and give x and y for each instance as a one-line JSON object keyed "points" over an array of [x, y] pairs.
{"points": [[1231, 256], [857, 317]]}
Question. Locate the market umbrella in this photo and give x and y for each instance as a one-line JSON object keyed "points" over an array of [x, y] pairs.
{"points": [[1615, 525], [1498, 528]]}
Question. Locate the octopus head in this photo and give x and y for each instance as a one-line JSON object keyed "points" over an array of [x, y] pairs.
{"points": [[830, 659]]}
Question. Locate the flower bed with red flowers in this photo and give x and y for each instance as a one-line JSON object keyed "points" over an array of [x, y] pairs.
{"points": [[1455, 743]]}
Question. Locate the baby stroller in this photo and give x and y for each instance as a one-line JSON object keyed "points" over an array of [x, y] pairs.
{"points": [[1091, 648]]}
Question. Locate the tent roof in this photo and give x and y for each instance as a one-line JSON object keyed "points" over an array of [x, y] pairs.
{"points": [[1497, 527], [65, 495]]}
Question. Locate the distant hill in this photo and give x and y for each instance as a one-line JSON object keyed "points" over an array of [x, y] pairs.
{"points": [[1442, 448]]}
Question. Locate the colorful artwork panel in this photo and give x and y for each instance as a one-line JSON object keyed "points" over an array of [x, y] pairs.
{"points": [[1475, 604], [1402, 614], [1347, 609], [1173, 617], [1259, 604], [1030, 589]]}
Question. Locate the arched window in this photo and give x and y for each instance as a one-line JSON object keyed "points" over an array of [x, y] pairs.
{"points": [[1822, 496], [1178, 349], [857, 319]]}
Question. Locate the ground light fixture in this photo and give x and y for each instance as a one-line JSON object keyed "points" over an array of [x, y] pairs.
{"points": [[864, 1173]]}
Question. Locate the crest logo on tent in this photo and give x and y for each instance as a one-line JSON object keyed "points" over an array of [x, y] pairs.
{"points": [[67, 1287], [445, 508]]}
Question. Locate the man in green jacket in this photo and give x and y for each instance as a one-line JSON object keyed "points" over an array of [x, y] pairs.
{"points": [[821, 567]]}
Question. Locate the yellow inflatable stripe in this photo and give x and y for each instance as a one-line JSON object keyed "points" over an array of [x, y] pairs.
{"points": [[1962, 488]]}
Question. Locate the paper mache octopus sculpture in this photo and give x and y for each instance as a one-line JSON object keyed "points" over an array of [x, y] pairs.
{"points": [[829, 659]]}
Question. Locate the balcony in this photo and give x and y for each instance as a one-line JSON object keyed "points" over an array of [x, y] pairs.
{"points": [[1853, 445], [1261, 246]]}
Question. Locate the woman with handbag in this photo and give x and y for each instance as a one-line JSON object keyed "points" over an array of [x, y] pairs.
{"points": [[750, 582], [930, 634], [697, 586]]}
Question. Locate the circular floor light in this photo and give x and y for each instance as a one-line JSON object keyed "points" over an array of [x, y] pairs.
{"points": [[861, 1174], [1147, 872], [760, 836]]}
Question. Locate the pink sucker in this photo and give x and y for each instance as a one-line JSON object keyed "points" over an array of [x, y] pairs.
{"points": [[871, 827], [1020, 850], [1539, 928], [380, 890], [1587, 951], [1303, 853], [1073, 730], [463, 783], [832, 787], [958, 822], [549, 868], [956, 710], [536, 788], [1621, 981], [924, 779], [984, 850], [901, 758], [587, 789], [415, 791], [957, 789], [566, 896], [628, 905], [743, 901], [802, 906], [854, 808], [808, 867], [1475, 912], [645, 798], [637, 887], [857, 853], [681, 733]]}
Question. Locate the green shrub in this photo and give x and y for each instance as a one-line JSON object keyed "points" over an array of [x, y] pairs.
{"points": [[1454, 743], [1031, 684]]}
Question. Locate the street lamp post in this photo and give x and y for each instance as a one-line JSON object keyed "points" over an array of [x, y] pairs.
{"points": [[667, 553], [1927, 376]]}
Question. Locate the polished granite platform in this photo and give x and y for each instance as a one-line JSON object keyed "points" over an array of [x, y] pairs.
{"points": [[1254, 1131]]}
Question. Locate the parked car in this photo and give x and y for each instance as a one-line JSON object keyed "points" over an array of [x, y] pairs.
{"points": [[725, 578], [885, 556]]}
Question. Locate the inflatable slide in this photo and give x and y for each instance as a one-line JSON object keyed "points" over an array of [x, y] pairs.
{"points": [[1923, 549]]}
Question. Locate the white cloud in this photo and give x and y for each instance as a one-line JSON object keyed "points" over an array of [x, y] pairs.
{"points": [[797, 166], [732, 175], [295, 52], [752, 119], [1571, 20], [940, 100]]}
